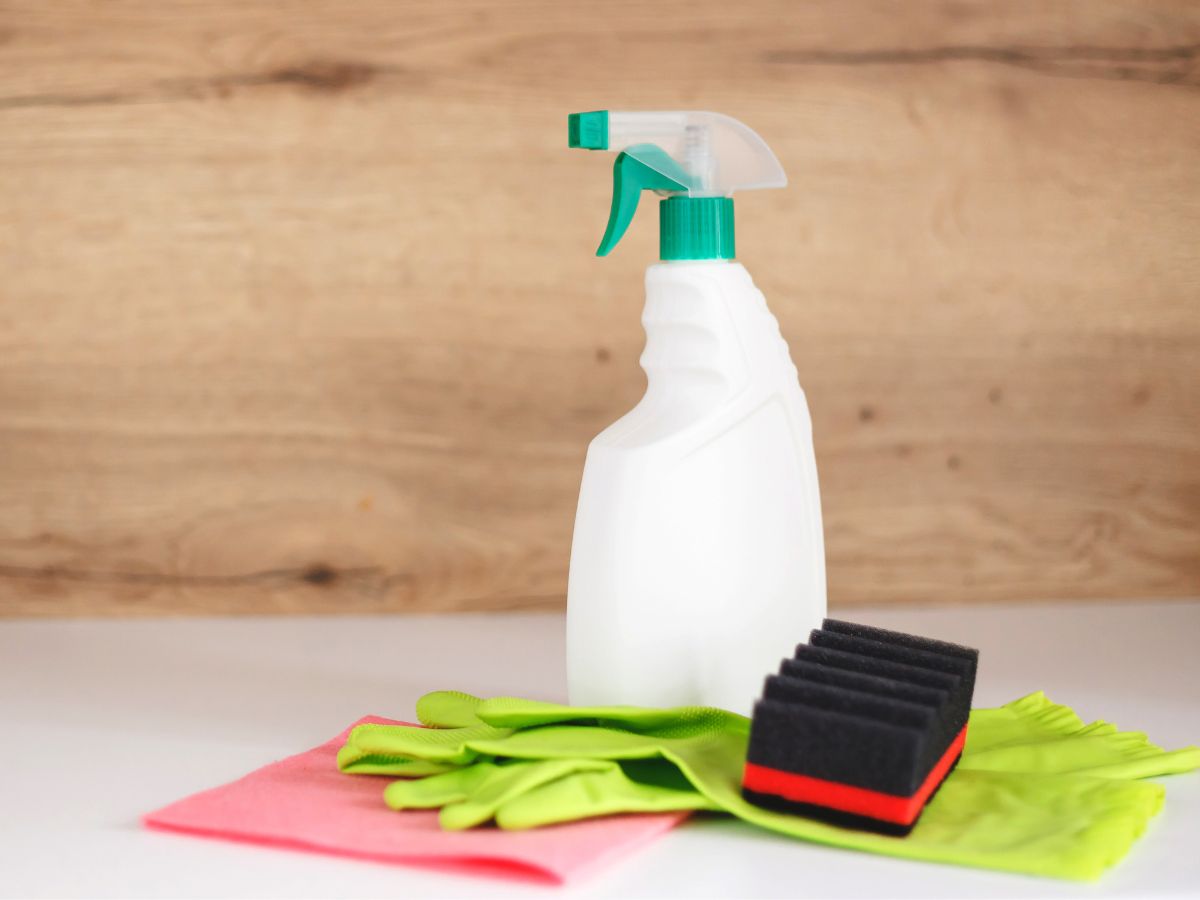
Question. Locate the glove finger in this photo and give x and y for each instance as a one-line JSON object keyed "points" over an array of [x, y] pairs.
{"points": [[570, 742], [381, 745], [507, 781], [683, 721], [586, 795], [352, 763], [438, 790], [448, 709]]}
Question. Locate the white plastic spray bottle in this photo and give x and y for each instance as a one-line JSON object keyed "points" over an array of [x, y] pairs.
{"points": [[698, 560]]}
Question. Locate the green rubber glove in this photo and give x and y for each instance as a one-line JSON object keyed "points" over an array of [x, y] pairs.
{"points": [[514, 792], [471, 790], [1017, 801]]}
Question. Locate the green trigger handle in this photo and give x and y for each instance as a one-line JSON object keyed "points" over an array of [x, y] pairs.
{"points": [[643, 167]]}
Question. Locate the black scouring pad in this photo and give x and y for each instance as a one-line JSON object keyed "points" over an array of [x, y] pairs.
{"points": [[860, 727]]}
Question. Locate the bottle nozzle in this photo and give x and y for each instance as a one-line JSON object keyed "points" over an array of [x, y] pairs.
{"points": [[588, 131]]}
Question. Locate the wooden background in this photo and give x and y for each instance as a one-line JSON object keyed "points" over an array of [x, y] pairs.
{"points": [[298, 310]]}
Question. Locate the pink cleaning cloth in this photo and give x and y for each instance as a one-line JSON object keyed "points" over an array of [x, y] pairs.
{"points": [[305, 803]]}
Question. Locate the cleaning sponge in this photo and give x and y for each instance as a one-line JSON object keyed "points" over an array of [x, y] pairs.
{"points": [[860, 727]]}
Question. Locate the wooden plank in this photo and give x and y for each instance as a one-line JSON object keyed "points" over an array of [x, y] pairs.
{"points": [[299, 312]]}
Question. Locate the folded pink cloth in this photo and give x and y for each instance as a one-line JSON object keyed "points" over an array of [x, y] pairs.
{"points": [[305, 803]]}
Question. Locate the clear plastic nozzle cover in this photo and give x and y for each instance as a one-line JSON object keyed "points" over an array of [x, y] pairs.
{"points": [[719, 153]]}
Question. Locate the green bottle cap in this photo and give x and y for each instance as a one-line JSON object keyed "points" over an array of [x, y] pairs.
{"points": [[696, 228]]}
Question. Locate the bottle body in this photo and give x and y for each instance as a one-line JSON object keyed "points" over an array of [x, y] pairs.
{"points": [[698, 562]]}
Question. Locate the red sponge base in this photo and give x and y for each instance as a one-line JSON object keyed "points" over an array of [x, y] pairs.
{"points": [[889, 813]]}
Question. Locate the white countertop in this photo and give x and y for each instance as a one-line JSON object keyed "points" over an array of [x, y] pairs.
{"points": [[105, 720]]}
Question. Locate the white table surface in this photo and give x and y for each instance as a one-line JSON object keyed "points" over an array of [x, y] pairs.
{"points": [[105, 720]]}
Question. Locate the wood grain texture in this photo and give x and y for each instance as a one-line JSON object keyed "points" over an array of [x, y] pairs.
{"points": [[299, 313]]}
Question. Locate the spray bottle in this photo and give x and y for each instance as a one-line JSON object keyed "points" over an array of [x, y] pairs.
{"points": [[697, 561]]}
